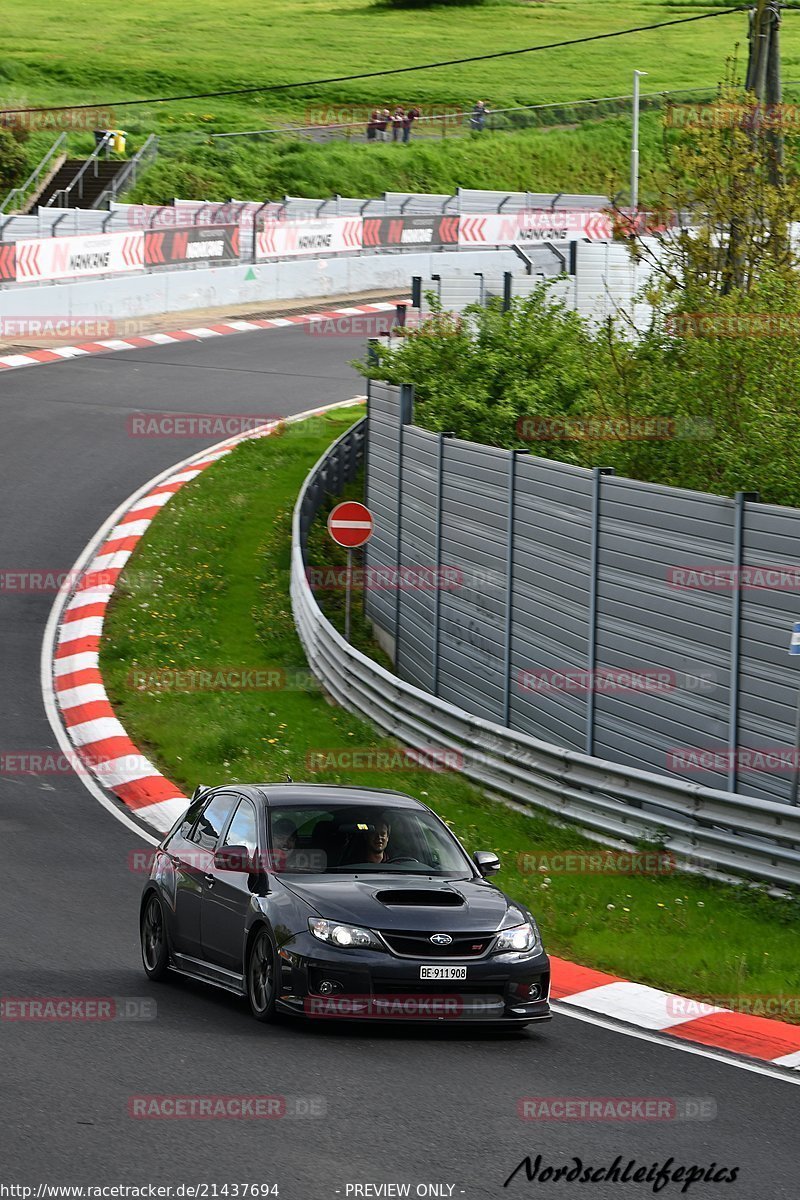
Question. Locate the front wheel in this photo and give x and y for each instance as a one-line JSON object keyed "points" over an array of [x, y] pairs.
{"points": [[262, 978], [153, 931]]}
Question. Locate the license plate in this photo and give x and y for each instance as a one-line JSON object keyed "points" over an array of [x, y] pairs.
{"points": [[443, 972]]}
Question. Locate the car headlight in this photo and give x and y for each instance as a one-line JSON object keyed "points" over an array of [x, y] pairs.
{"points": [[343, 936], [518, 939]]}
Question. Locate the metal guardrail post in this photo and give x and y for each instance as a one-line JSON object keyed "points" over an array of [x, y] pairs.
{"points": [[509, 605], [739, 511], [594, 556], [437, 594], [406, 414]]}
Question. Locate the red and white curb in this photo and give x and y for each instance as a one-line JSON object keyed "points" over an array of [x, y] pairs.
{"points": [[770, 1041], [197, 334], [88, 729], [95, 740]]}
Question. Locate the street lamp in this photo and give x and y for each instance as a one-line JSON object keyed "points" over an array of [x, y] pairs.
{"points": [[635, 147]]}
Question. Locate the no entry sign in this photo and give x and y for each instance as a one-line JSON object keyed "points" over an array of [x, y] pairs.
{"points": [[350, 524]]}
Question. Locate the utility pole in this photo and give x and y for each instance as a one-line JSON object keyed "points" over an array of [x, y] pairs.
{"points": [[764, 77]]}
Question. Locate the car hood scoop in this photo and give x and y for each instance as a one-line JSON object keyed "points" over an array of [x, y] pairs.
{"points": [[387, 902], [420, 898]]}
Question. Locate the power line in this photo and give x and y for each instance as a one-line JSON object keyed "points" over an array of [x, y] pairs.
{"points": [[450, 62]]}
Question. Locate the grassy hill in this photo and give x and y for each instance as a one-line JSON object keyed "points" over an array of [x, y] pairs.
{"points": [[103, 53]]}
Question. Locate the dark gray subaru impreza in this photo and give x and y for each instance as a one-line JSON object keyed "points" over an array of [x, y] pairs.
{"points": [[339, 902]]}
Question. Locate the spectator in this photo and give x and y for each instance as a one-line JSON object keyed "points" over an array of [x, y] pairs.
{"points": [[398, 121], [478, 118], [410, 118], [384, 116], [372, 125]]}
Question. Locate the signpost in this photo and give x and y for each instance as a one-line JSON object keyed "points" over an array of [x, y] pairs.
{"points": [[350, 524], [794, 648]]}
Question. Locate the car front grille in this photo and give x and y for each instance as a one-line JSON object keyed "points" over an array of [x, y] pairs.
{"points": [[413, 944]]}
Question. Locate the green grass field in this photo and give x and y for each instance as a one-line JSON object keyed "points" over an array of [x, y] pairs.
{"points": [[101, 53], [208, 588]]}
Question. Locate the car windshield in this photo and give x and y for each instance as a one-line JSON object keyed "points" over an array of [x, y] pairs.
{"points": [[353, 839]]}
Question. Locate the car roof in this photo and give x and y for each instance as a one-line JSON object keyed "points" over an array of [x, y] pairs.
{"points": [[323, 793]]}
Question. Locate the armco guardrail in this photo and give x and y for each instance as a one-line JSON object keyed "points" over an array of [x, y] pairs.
{"points": [[734, 835]]}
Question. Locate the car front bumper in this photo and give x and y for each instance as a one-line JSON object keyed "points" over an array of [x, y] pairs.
{"points": [[318, 981]]}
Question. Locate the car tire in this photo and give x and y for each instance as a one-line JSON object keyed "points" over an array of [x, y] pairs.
{"points": [[153, 937], [261, 979]]}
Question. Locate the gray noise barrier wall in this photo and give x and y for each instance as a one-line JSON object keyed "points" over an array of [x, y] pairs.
{"points": [[561, 603]]}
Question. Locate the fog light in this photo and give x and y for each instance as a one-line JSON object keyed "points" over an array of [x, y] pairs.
{"points": [[328, 987], [535, 991]]}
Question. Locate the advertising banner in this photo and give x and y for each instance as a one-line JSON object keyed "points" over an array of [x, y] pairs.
{"points": [[74, 257], [192, 243], [8, 262], [529, 226], [334, 235], [410, 231]]}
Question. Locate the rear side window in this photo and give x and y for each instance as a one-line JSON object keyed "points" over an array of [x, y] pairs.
{"points": [[212, 820]]}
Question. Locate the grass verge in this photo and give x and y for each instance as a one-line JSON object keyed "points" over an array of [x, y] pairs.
{"points": [[208, 589]]}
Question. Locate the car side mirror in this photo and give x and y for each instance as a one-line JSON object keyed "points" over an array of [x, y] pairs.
{"points": [[234, 858], [487, 862]]}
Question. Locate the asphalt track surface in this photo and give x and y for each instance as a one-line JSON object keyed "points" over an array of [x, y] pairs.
{"points": [[403, 1106]]}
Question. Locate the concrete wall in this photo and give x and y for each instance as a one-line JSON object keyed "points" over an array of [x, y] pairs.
{"points": [[225, 287]]}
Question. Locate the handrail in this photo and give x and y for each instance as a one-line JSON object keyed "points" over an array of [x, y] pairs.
{"points": [[717, 831], [127, 177], [35, 173], [91, 161], [466, 113]]}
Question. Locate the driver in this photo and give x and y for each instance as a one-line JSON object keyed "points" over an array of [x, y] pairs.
{"points": [[284, 840], [377, 840]]}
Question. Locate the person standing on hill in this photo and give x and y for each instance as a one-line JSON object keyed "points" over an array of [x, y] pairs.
{"points": [[409, 119], [398, 121]]}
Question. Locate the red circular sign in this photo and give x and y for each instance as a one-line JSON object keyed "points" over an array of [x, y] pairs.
{"points": [[350, 524]]}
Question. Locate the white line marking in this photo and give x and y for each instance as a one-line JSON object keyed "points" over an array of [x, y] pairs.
{"points": [[643, 1035]]}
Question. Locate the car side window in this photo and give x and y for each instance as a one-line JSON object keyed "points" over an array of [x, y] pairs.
{"points": [[243, 830], [184, 827], [212, 821]]}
